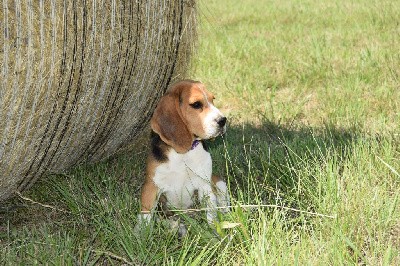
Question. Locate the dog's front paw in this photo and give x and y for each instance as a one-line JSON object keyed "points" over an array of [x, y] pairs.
{"points": [[143, 221]]}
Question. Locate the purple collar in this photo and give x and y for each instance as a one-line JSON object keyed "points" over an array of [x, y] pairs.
{"points": [[194, 144]]}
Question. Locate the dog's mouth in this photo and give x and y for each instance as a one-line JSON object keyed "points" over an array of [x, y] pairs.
{"points": [[211, 137], [211, 133], [219, 132]]}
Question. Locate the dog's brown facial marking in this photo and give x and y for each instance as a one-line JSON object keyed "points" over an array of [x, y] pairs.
{"points": [[185, 113], [196, 104]]}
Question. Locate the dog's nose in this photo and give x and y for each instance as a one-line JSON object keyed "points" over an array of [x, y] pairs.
{"points": [[221, 121]]}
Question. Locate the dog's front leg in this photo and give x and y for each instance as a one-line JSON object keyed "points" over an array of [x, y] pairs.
{"points": [[221, 191], [148, 202]]}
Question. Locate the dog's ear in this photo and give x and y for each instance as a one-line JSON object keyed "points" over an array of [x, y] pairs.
{"points": [[167, 121]]}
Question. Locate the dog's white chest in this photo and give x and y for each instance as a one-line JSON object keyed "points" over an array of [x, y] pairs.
{"points": [[183, 174]]}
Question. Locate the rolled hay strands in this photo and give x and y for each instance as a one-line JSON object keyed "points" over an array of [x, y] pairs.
{"points": [[80, 79]]}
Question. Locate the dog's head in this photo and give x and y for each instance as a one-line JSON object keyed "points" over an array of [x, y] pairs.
{"points": [[185, 113]]}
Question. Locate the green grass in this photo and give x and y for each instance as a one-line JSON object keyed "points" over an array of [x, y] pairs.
{"points": [[311, 89]]}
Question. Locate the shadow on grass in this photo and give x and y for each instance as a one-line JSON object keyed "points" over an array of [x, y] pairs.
{"points": [[277, 164]]}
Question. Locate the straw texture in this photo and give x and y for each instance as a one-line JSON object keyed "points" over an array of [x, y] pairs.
{"points": [[80, 79]]}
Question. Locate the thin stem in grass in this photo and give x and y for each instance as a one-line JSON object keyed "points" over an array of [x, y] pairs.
{"points": [[391, 168], [41, 204], [252, 206]]}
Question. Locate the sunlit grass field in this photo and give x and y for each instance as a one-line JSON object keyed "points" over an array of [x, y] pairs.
{"points": [[312, 153]]}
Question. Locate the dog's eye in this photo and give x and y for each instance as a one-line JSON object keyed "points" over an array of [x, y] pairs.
{"points": [[196, 105]]}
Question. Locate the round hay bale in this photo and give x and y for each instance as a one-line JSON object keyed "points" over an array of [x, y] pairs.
{"points": [[80, 79]]}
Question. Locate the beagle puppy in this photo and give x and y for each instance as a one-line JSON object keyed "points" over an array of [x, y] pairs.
{"points": [[179, 167]]}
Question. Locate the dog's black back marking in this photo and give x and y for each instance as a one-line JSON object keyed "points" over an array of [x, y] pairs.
{"points": [[158, 147]]}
